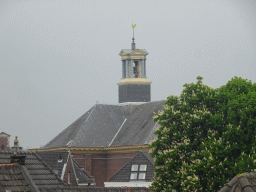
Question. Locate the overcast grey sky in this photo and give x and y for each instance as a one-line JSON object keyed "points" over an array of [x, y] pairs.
{"points": [[58, 57]]}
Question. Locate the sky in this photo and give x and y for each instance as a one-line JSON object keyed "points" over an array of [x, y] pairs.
{"points": [[58, 57]]}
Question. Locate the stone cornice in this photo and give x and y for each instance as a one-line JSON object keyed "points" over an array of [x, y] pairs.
{"points": [[126, 81], [114, 149]]}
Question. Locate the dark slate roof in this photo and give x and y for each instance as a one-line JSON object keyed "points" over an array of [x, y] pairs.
{"points": [[149, 157], [56, 160], [123, 175], [11, 178], [40, 172], [245, 182], [111, 125], [81, 174]]}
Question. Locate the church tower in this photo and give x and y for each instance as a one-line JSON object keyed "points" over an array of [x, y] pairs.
{"points": [[134, 85]]}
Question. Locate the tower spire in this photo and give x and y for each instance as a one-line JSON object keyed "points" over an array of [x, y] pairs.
{"points": [[133, 44]]}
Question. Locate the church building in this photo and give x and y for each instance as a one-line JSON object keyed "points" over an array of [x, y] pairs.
{"points": [[110, 142]]}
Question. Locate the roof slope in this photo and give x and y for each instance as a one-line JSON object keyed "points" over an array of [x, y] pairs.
{"points": [[81, 174], [40, 173], [111, 125], [55, 160], [123, 175], [245, 182], [139, 124], [11, 178]]}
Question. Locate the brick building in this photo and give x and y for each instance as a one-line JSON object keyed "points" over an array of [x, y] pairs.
{"points": [[109, 138], [4, 141], [65, 166]]}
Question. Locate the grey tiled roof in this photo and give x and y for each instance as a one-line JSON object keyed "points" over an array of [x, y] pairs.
{"points": [[245, 182], [111, 125], [81, 175], [11, 178], [39, 171], [123, 175], [56, 160]]}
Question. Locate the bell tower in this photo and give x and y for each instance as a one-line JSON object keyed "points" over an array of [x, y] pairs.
{"points": [[134, 85]]}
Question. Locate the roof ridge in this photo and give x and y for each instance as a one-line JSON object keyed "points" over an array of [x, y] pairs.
{"points": [[80, 118], [72, 163], [76, 163], [153, 129], [32, 185], [85, 121], [147, 157]]}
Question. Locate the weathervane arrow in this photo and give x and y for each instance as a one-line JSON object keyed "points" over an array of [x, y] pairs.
{"points": [[133, 26]]}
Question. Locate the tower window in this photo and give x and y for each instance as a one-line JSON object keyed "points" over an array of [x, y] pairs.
{"points": [[136, 69]]}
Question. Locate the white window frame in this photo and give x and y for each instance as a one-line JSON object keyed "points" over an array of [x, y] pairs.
{"points": [[145, 167], [138, 172], [135, 173], [135, 169]]}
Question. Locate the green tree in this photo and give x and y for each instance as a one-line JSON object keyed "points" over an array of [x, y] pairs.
{"points": [[196, 148]]}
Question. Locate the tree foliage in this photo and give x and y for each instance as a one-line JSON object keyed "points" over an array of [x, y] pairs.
{"points": [[206, 136]]}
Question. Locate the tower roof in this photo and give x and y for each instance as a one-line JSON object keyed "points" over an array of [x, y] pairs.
{"points": [[130, 51], [111, 125]]}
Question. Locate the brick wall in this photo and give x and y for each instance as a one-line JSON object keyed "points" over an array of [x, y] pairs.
{"points": [[69, 169], [117, 161], [103, 166], [4, 144]]}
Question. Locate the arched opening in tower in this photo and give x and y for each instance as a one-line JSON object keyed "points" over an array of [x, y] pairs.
{"points": [[136, 69]]}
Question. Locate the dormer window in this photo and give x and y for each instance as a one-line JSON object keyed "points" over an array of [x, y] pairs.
{"points": [[143, 167], [133, 176], [142, 175], [138, 173], [135, 167]]}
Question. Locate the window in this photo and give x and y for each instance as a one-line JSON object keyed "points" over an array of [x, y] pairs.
{"points": [[143, 167], [142, 175], [133, 176], [138, 173], [69, 178], [135, 167]]}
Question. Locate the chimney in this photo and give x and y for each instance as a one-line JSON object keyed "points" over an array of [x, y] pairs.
{"points": [[16, 147], [16, 142], [20, 159]]}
